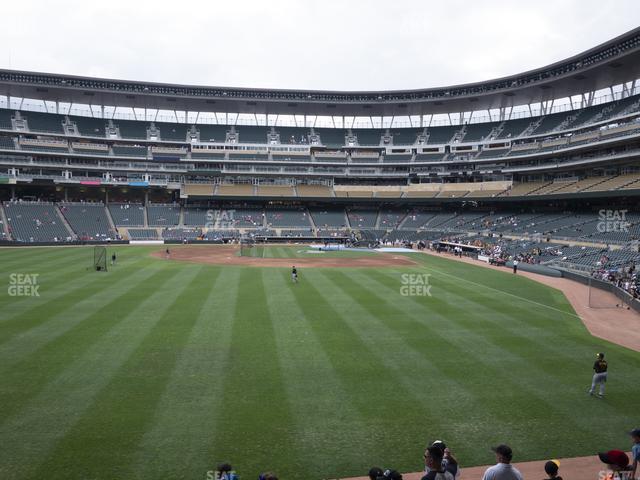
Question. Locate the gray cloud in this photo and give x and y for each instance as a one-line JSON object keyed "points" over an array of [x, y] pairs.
{"points": [[329, 44]]}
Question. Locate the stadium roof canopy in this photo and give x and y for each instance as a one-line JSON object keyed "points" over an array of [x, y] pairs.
{"points": [[614, 62]]}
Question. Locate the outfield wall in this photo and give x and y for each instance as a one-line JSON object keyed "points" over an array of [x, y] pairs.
{"points": [[602, 285]]}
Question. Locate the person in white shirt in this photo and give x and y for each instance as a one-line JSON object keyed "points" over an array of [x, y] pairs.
{"points": [[503, 470]]}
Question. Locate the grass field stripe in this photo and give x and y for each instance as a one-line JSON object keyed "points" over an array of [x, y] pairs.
{"points": [[56, 279], [453, 299], [381, 309], [178, 440], [454, 294], [250, 379], [322, 425], [47, 418], [53, 357], [59, 273], [351, 355], [39, 310], [511, 351], [67, 315], [391, 322], [518, 297], [32, 311], [132, 412]]}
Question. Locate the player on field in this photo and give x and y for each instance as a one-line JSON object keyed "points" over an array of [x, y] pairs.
{"points": [[294, 274], [599, 376]]}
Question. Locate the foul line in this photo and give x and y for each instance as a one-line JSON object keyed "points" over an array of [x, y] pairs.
{"points": [[506, 293]]}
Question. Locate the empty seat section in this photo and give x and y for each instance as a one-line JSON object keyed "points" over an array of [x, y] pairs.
{"points": [[368, 136], [5, 119], [172, 131], [406, 136], [44, 122], [181, 233], [143, 234], [362, 218], [212, 133], [252, 134], [331, 137], [291, 218], [35, 222], [514, 128], [197, 216], [248, 217], [476, 132], [7, 143], [415, 219], [441, 135], [391, 218], [90, 127], [329, 218], [132, 128], [89, 221], [163, 215], [129, 151], [293, 135], [127, 214]]}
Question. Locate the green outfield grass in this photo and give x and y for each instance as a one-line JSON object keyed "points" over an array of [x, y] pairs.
{"points": [[160, 369]]}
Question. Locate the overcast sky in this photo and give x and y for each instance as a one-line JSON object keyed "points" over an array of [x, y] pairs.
{"points": [[327, 44]]}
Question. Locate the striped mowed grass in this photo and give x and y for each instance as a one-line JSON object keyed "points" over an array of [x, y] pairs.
{"points": [[161, 369]]}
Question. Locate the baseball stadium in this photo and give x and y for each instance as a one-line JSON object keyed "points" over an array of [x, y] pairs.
{"points": [[314, 282]]}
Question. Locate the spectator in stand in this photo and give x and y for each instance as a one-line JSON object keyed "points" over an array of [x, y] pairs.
{"points": [[433, 457], [635, 451], [551, 469], [449, 462], [375, 473], [268, 476], [618, 463], [226, 472], [503, 470]]}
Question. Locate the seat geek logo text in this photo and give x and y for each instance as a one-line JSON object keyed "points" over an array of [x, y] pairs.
{"points": [[415, 285], [23, 285]]}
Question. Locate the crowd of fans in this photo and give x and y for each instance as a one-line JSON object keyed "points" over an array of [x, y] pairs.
{"points": [[625, 278], [441, 464]]}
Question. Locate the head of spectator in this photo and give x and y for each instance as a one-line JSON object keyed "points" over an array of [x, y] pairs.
{"points": [[375, 473], [433, 457], [268, 476], [504, 454], [551, 469], [225, 471], [635, 435], [616, 460]]}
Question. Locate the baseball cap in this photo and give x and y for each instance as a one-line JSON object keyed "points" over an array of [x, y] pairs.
{"points": [[635, 432], [504, 450], [393, 475], [440, 444], [551, 467], [614, 457]]}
